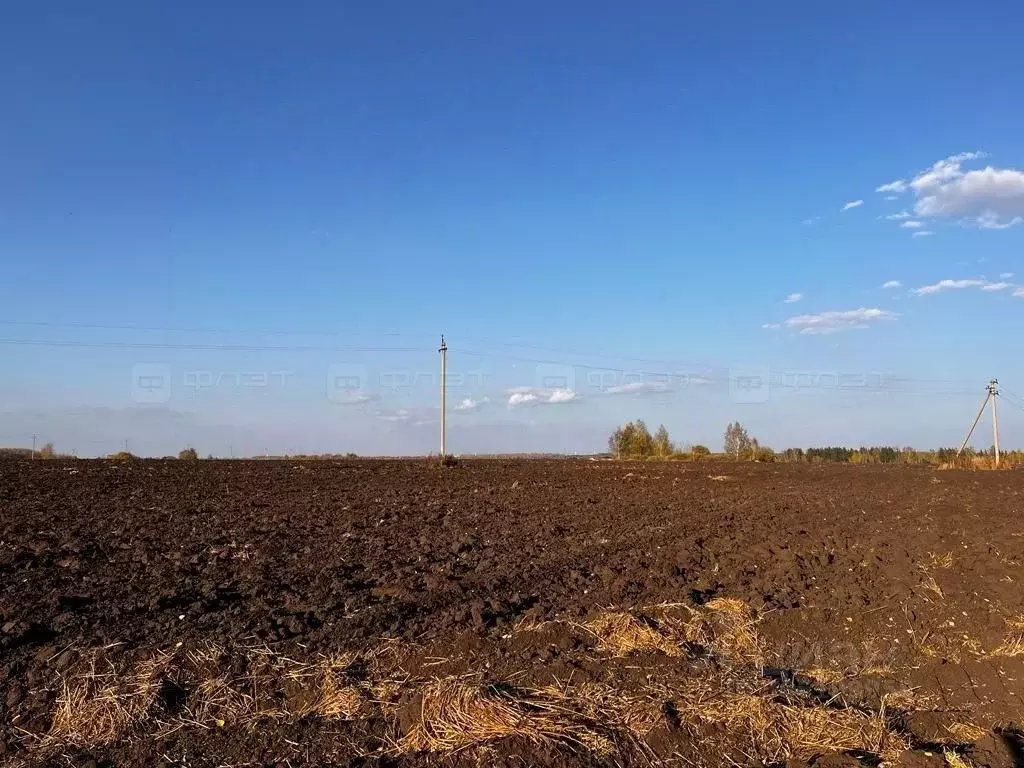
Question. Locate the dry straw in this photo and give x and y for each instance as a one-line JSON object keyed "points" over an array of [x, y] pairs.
{"points": [[457, 714], [95, 708], [727, 706], [1013, 645], [621, 634]]}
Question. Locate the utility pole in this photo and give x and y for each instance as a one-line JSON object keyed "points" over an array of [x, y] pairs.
{"points": [[993, 388], [33, 446], [991, 393], [444, 392]]}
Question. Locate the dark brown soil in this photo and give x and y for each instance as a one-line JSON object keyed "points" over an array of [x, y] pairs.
{"points": [[866, 581]]}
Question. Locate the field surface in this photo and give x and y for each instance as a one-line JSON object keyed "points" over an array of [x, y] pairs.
{"points": [[508, 613]]}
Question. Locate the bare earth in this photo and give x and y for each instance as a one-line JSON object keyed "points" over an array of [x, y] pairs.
{"points": [[508, 612]]}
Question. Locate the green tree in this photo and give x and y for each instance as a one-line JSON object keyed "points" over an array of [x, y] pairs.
{"points": [[737, 442], [700, 451], [642, 444], [634, 440], [621, 441], [662, 444], [188, 454]]}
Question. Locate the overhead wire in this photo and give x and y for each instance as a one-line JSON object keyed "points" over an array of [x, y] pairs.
{"points": [[197, 346], [702, 366], [702, 373], [1012, 399], [193, 329]]}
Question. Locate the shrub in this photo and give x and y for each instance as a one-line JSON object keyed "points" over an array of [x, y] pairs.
{"points": [[189, 454], [700, 451], [47, 452], [123, 456]]}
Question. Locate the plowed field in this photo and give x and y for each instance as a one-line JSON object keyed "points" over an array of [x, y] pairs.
{"points": [[508, 612]]}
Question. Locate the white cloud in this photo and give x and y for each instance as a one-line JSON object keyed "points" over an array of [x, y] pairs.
{"points": [[911, 224], [562, 396], [1005, 275], [416, 416], [986, 198], [812, 221], [947, 285], [943, 171], [897, 187], [1019, 293], [956, 285], [793, 298], [519, 396], [469, 405], [923, 233], [989, 220], [898, 216], [638, 388], [354, 397], [888, 284], [891, 197], [853, 204], [825, 323]]}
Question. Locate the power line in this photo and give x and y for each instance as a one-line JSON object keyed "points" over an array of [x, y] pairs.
{"points": [[183, 329], [195, 346], [716, 374], [1012, 399], [706, 368]]}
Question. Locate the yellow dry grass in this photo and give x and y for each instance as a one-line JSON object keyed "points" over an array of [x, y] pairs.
{"points": [[621, 634], [456, 714], [965, 733], [727, 706], [1013, 645], [329, 694], [272, 687], [638, 712], [824, 676], [942, 561], [953, 760], [95, 708], [932, 586], [99, 707], [725, 626], [776, 731]]}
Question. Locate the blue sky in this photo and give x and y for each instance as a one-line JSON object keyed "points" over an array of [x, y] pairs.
{"points": [[630, 193]]}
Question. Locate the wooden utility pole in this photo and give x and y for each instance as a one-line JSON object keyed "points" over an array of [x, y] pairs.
{"points": [[33, 446], [991, 393], [444, 393]]}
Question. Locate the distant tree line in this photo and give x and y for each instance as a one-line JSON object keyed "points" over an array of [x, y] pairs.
{"points": [[634, 441]]}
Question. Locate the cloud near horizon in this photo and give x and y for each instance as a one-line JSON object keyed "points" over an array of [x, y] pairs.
{"points": [[469, 405], [520, 396], [836, 321]]}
